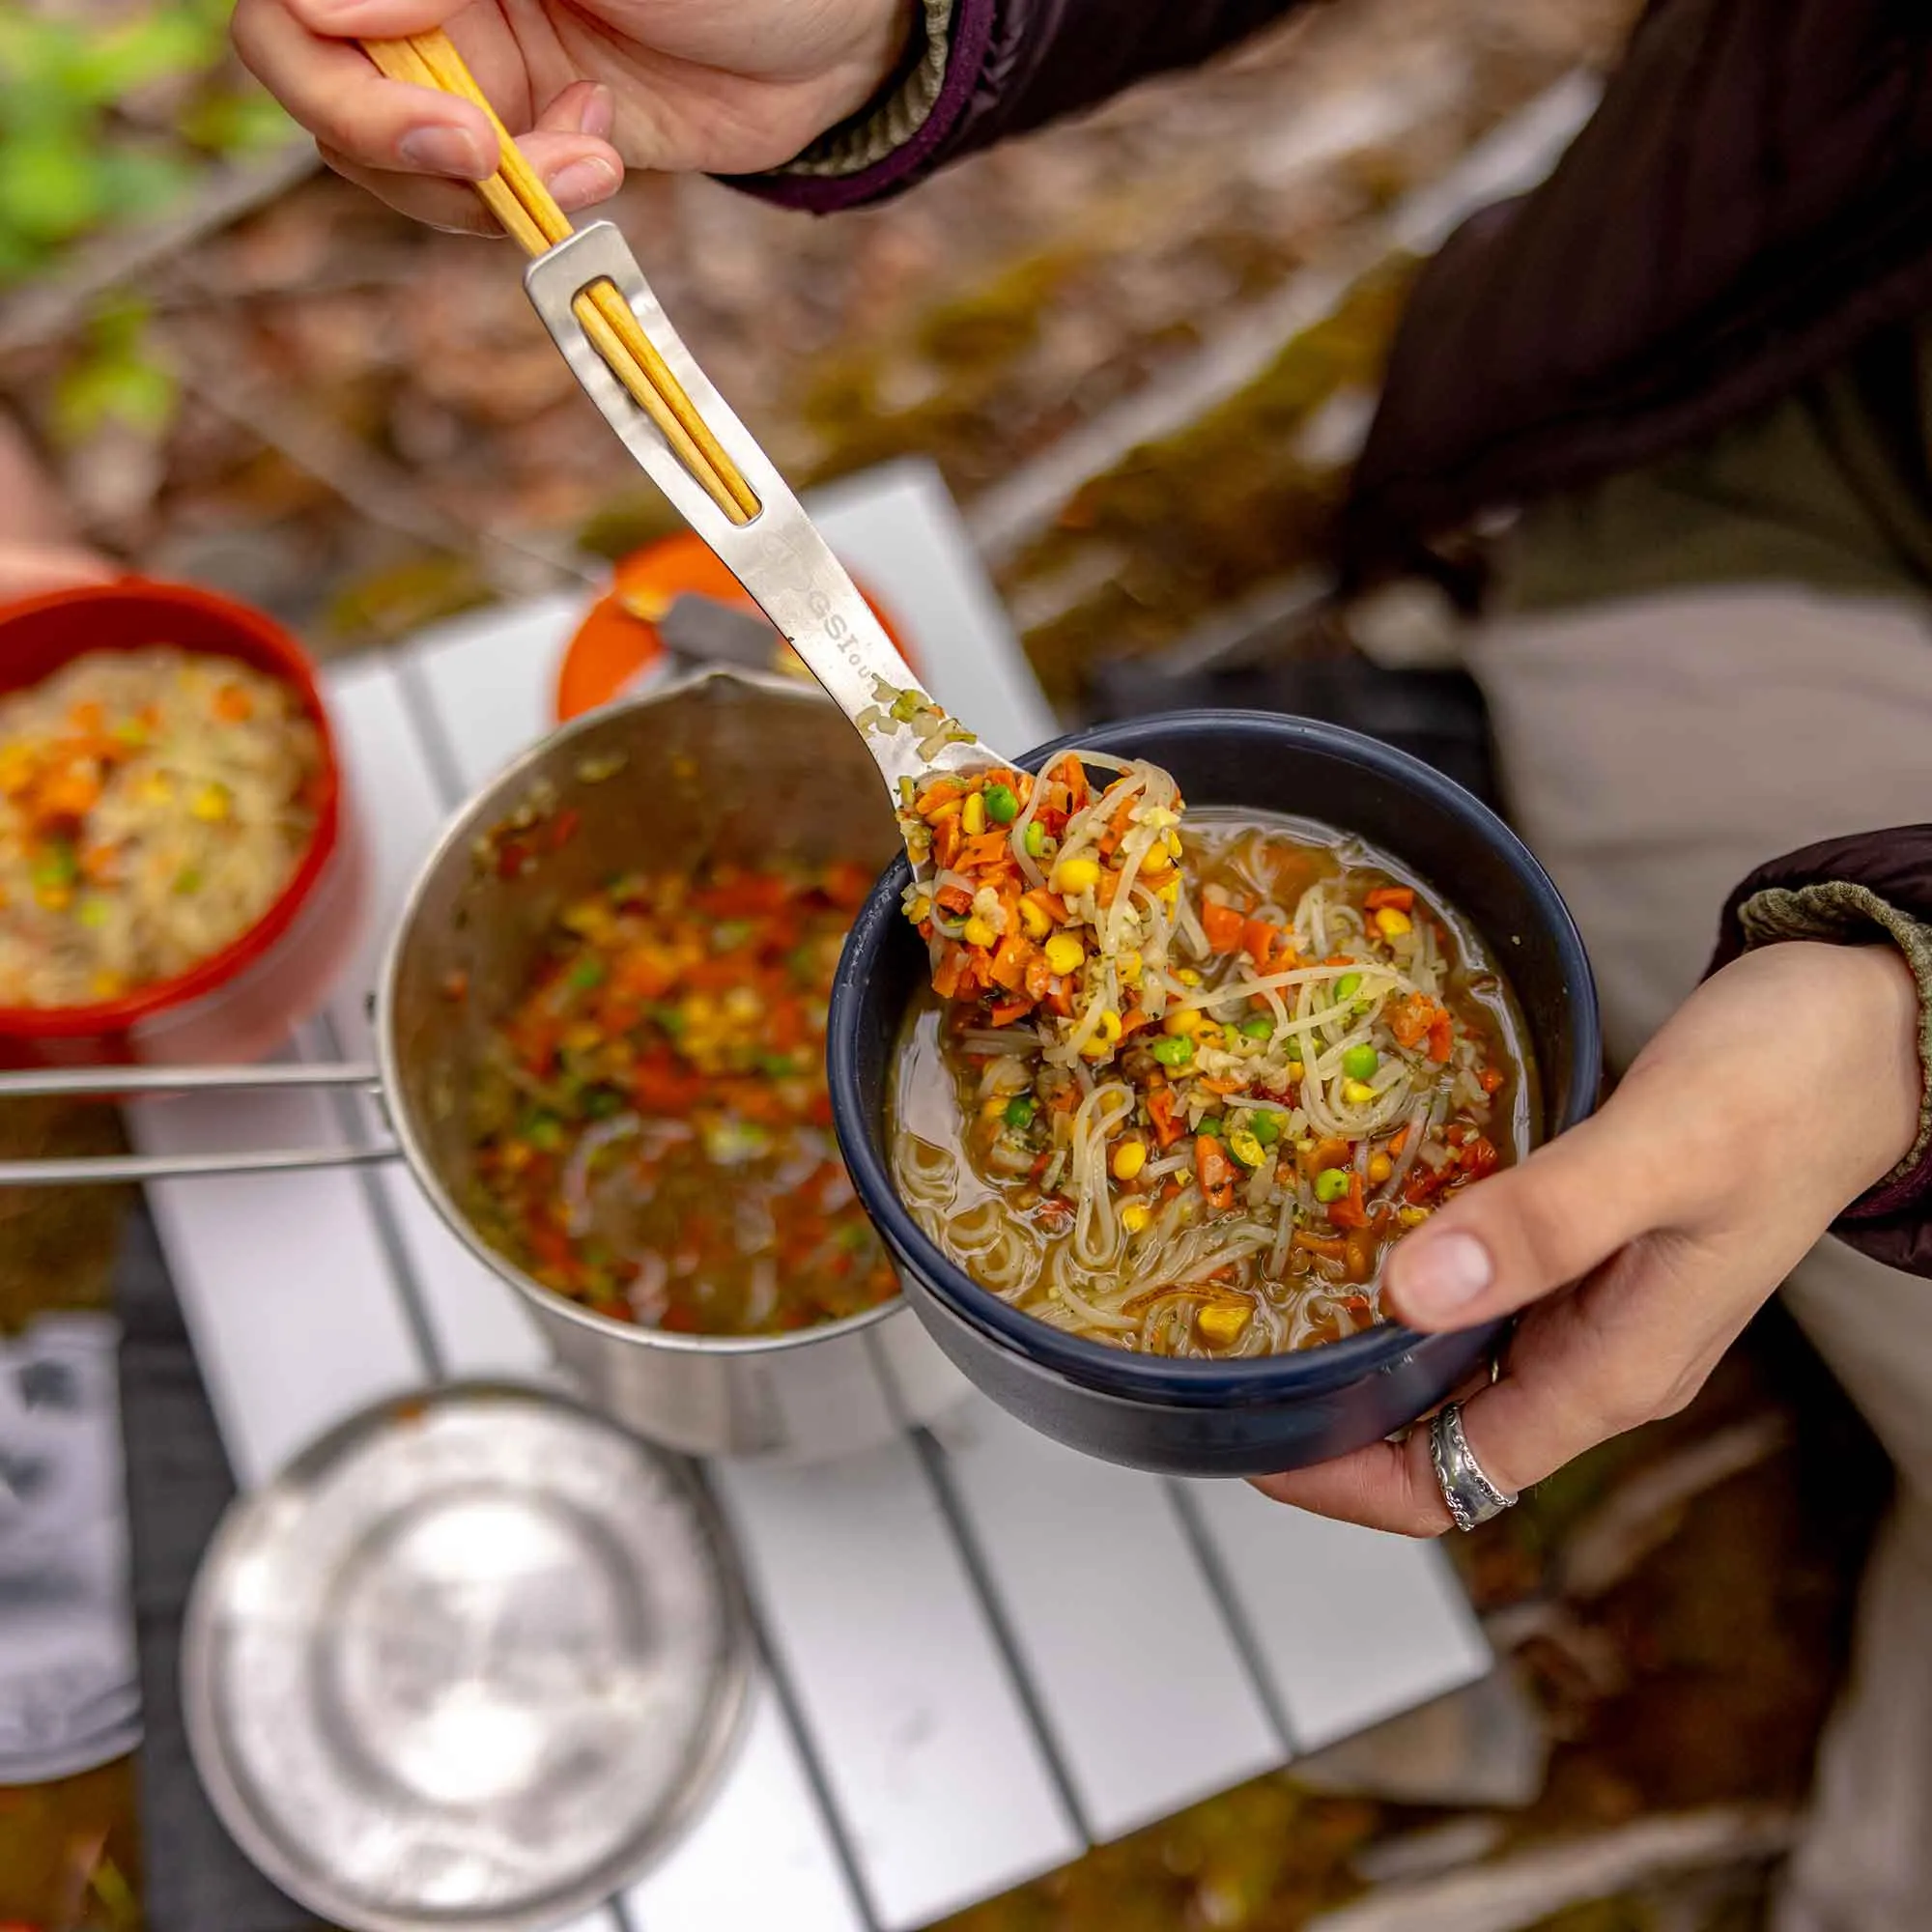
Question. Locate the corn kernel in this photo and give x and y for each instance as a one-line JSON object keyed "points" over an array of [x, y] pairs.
{"points": [[1106, 1031], [1075, 875], [1033, 920], [55, 899], [1180, 1026], [157, 789], [1358, 1092], [210, 803], [1188, 977], [1222, 1325], [1174, 844], [1169, 893], [979, 932], [1135, 1216], [1129, 1158], [1064, 953], [1380, 1167], [1156, 859], [1128, 967], [1412, 1217], [973, 816], [1392, 925], [1159, 817], [107, 985], [581, 1037]]}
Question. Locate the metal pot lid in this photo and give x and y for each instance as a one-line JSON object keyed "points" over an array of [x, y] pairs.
{"points": [[474, 1659]]}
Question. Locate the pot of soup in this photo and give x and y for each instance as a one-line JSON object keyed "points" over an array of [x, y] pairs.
{"points": [[1148, 1099], [602, 1041]]}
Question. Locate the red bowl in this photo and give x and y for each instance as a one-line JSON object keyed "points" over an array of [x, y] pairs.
{"points": [[240, 1003]]}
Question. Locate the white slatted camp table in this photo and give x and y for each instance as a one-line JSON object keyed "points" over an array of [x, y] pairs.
{"points": [[955, 1693]]}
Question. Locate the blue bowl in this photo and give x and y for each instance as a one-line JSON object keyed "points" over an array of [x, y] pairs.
{"points": [[1251, 1416]]}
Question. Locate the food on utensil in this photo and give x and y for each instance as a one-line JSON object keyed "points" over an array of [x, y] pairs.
{"points": [[656, 1133], [153, 805]]}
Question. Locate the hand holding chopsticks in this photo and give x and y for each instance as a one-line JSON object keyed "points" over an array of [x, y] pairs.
{"points": [[529, 213]]}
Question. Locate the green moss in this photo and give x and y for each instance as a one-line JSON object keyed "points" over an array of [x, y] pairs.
{"points": [[1204, 515], [387, 605]]}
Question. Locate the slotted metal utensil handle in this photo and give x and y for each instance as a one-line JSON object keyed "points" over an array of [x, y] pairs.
{"points": [[778, 556]]}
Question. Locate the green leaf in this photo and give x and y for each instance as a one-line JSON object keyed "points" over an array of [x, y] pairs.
{"points": [[106, 390], [137, 182], [50, 189], [164, 45], [240, 123]]}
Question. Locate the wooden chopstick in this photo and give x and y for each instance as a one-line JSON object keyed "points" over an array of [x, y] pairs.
{"points": [[527, 213]]}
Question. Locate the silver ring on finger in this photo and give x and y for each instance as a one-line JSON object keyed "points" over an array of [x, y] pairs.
{"points": [[1472, 1497]]}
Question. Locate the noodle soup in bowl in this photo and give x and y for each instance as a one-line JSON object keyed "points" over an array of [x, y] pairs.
{"points": [[1229, 1359]]}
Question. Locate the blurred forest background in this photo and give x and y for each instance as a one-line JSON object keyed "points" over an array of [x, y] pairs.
{"points": [[1143, 350]]}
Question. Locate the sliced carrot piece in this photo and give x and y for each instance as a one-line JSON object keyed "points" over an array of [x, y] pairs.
{"points": [[1222, 925]]}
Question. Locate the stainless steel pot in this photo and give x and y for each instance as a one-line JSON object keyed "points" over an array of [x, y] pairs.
{"points": [[726, 764]]}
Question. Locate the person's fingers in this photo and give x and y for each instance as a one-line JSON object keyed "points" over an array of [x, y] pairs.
{"points": [[354, 111], [1632, 1344], [31, 572], [570, 147], [1387, 1485], [1517, 1234], [373, 19], [579, 168]]}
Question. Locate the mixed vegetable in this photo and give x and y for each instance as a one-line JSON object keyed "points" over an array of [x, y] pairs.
{"points": [[658, 1138]]}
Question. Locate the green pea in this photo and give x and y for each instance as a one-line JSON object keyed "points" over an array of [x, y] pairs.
{"points": [[1331, 1184], [1231, 1036], [1174, 1052], [1359, 1063], [1212, 1124], [587, 974], [1261, 1027], [544, 1131], [1035, 840], [1002, 807], [1020, 1110], [1348, 986], [1265, 1126]]}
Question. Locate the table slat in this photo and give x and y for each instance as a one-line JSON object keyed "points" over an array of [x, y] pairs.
{"points": [[929, 1752], [760, 1857], [1350, 1625], [283, 1278], [1087, 1561]]}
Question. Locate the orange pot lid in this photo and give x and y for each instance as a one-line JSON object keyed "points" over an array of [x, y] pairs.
{"points": [[617, 648]]}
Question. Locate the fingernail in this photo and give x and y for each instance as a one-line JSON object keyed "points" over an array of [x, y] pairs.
{"points": [[446, 151], [1441, 1276], [582, 183], [600, 113]]}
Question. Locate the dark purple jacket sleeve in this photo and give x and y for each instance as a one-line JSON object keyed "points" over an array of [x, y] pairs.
{"points": [[1019, 64], [1876, 887]]}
